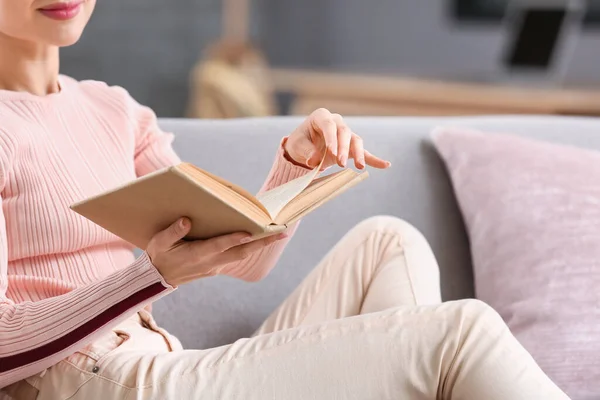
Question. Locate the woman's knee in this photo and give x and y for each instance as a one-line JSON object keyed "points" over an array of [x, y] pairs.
{"points": [[474, 313], [387, 224], [459, 321]]}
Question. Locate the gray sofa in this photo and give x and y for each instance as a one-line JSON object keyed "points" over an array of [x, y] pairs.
{"points": [[219, 310]]}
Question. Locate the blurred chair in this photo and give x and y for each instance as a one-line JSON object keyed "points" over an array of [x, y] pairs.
{"points": [[232, 79]]}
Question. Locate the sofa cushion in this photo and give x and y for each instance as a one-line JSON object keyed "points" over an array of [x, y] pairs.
{"points": [[532, 212]]}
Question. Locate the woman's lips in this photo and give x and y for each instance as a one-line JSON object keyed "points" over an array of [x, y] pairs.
{"points": [[62, 11]]}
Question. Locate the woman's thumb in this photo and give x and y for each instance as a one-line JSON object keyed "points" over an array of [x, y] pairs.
{"points": [[304, 151], [175, 232], [314, 160]]}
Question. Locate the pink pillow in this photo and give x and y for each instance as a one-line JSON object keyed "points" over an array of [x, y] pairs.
{"points": [[532, 212]]}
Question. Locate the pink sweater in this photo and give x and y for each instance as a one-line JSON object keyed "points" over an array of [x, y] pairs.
{"points": [[63, 280]]}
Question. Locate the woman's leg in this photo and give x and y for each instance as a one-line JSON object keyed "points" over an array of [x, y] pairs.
{"points": [[458, 350], [381, 263]]}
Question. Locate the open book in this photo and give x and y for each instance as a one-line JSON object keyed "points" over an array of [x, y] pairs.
{"points": [[140, 209]]}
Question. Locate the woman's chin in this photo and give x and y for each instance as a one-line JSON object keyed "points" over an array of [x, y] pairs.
{"points": [[62, 39], [66, 42], [61, 33]]}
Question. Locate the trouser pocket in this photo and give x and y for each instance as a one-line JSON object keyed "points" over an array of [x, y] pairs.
{"points": [[88, 358]]}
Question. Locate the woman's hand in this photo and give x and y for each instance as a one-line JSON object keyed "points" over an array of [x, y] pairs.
{"points": [[324, 131], [181, 262]]}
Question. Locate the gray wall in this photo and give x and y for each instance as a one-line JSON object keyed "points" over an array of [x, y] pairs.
{"points": [[149, 48], [412, 36], [146, 46]]}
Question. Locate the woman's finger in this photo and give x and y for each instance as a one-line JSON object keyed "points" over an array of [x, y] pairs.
{"points": [[357, 151], [246, 250], [344, 135], [322, 122], [207, 248], [375, 161]]}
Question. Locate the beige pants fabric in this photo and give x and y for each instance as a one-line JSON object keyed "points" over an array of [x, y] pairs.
{"points": [[367, 323]]}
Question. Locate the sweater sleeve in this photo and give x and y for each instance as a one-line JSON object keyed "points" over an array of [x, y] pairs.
{"points": [[259, 264], [36, 335], [153, 148]]}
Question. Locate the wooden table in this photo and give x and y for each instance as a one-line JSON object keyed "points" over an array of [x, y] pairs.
{"points": [[362, 94]]}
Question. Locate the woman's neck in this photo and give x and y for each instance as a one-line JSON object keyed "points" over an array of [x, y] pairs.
{"points": [[28, 67]]}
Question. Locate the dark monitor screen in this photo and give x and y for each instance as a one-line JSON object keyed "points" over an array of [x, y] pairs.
{"points": [[535, 41]]}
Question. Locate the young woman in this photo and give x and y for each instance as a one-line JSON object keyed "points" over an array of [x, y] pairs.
{"points": [[368, 322]]}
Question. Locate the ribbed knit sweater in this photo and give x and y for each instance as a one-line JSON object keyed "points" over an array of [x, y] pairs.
{"points": [[64, 281]]}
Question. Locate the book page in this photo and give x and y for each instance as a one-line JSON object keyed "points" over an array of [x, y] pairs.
{"points": [[275, 199], [318, 193], [239, 190]]}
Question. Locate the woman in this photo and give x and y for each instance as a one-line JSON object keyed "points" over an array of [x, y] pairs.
{"points": [[74, 321]]}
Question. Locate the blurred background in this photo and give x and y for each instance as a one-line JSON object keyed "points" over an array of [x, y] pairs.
{"points": [[236, 58]]}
